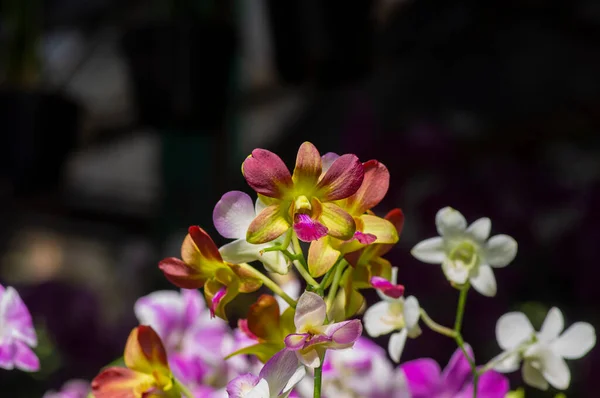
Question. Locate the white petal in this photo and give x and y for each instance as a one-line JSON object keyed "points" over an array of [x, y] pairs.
{"points": [[555, 370], [411, 312], [259, 206], [233, 214], [310, 359], [508, 364], [261, 390], [239, 251], [576, 341], [512, 329], [295, 379], [533, 377], [500, 250], [480, 229], [274, 261], [457, 274], [449, 222], [311, 311], [552, 326], [396, 345], [484, 281], [373, 319], [430, 250]]}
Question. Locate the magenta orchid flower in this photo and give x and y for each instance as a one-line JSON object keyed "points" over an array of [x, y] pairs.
{"points": [[277, 378], [426, 380], [313, 337], [232, 216], [71, 389], [17, 334], [304, 200]]}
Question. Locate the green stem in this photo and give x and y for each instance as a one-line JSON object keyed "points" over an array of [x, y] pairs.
{"points": [[268, 282], [436, 327], [339, 269], [301, 264], [318, 377], [184, 390], [460, 312]]}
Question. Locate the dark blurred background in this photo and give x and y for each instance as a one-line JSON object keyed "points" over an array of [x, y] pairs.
{"points": [[123, 122]]}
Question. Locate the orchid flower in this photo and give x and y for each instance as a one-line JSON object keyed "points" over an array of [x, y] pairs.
{"points": [[266, 327], [202, 266], [466, 254], [276, 379], [147, 372], [393, 313], [370, 229], [304, 200], [313, 337], [17, 334], [543, 352], [71, 389], [425, 380], [232, 216]]}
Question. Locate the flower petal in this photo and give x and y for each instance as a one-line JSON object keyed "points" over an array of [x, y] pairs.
{"points": [[412, 312], [266, 173], [396, 217], [327, 160], [396, 344], [500, 250], [144, 351], [339, 223], [457, 274], [280, 370], [373, 189], [238, 387], [384, 231], [423, 377], [374, 319], [16, 317], [457, 372], [552, 326], [480, 229], [308, 166], [267, 226], [233, 214], [311, 311], [24, 358], [483, 280], [491, 385], [162, 310], [430, 251], [321, 257], [307, 229], [450, 222], [555, 370], [512, 329], [343, 179], [576, 341], [309, 358], [240, 251], [296, 341], [344, 333], [180, 274], [507, 364], [386, 287], [199, 250], [119, 382], [261, 390], [533, 377], [263, 318]]}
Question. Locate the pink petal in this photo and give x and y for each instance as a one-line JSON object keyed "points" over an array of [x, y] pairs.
{"points": [[372, 190], [193, 306], [491, 385], [308, 229], [24, 358], [327, 160], [296, 341], [238, 387], [343, 178], [346, 332], [233, 214], [243, 326], [266, 173], [422, 377], [14, 316], [458, 371], [387, 287], [216, 300], [279, 370], [308, 165], [365, 239], [311, 310], [7, 353]]}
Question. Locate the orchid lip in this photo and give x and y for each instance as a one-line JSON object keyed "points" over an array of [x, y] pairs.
{"points": [[365, 239], [387, 288], [216, 300], [308, 229]]}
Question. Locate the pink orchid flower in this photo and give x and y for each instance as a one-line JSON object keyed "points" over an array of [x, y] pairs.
{"points": [[305, 199], [313, 337]]}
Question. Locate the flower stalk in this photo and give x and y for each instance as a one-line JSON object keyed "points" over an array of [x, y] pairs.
{"points": [[460, 312]]}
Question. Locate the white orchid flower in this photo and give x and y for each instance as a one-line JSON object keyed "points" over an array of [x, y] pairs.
{"points": [[466, 254], [543, 352], [232, 217], [392, 313]]}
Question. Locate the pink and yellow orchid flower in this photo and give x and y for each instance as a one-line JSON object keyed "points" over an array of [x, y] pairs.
{"points": [[304, 200], [313, 337], [201, 265], [147, 374], [370, 229]]}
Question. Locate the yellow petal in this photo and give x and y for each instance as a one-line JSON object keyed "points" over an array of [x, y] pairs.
{"points": [[144, 352], [268, 225], [339, 223], [321, 256]]}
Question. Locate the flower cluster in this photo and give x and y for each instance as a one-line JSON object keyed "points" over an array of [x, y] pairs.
{"points": [[294, 343]]}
